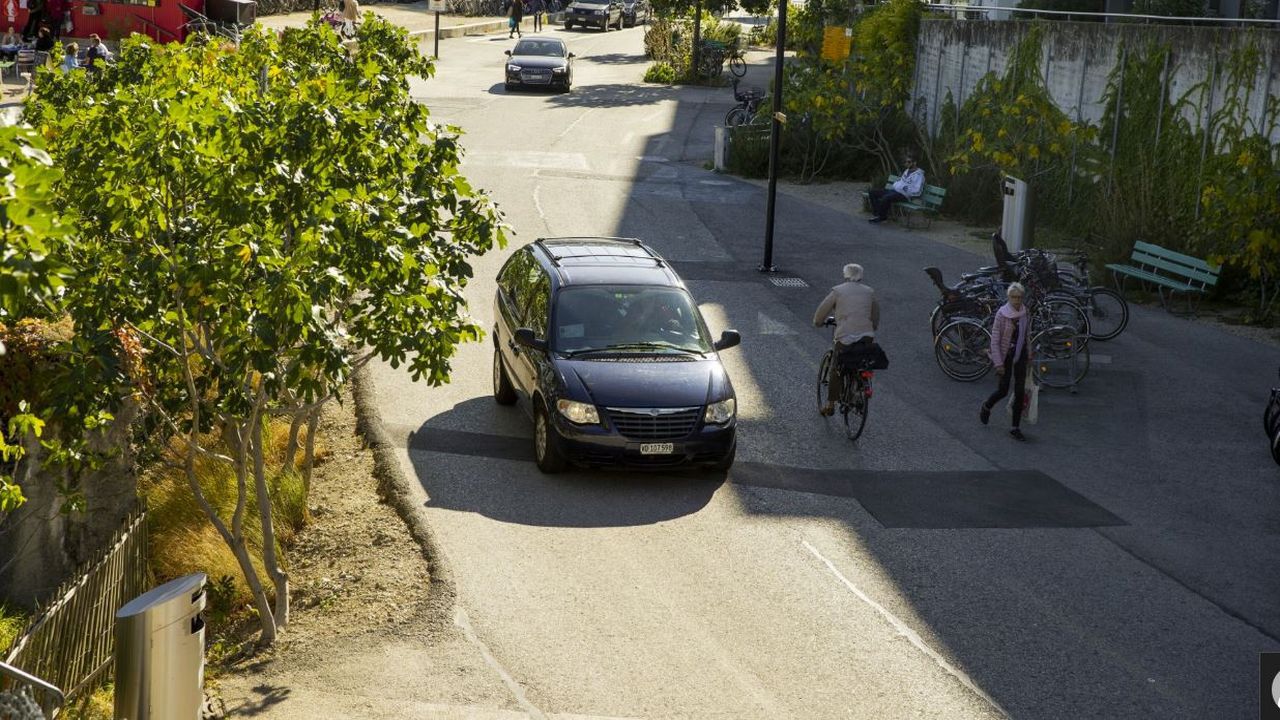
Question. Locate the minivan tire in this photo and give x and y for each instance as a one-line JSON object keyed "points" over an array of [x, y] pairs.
{"points": [[546, 449], [504, 393]]}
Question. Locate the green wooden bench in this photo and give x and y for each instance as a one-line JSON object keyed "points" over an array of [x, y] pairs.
{"points": [[926, 206], [1167, 270]]}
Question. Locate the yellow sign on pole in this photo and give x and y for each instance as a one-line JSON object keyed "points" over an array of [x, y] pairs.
{"points": [[836, 43]]}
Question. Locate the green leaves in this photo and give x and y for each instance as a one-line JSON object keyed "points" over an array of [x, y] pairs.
{"points": [[34, 232]]}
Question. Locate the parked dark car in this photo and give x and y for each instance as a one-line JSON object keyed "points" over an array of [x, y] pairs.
{"points": [[539, 62], [594, 13], [600, 342], [635, 12]]}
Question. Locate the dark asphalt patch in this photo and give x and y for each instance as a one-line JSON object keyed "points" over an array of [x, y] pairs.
{"points": [[945, 499]]}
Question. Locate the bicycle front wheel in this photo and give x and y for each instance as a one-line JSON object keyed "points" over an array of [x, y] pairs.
{"points": [[854, 406], [1108, 313], [737, 66], [824, 370], [961, 350], [737, 116], [1061, 357]]}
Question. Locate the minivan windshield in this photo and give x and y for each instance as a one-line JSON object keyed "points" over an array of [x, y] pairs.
{"points": [[627, 318]]}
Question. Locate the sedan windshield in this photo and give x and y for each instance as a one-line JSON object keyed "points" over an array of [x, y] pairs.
{"points": [[546, 48], [627, 318]]}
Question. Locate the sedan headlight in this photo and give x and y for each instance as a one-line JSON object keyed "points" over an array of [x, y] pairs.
{"points": [[513, 68], [720, 413], [578, 413], [559, 70]]}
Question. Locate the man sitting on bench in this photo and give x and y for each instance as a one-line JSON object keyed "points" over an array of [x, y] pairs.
{"points": [[908, 187]]}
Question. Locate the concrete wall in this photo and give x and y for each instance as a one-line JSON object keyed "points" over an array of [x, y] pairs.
{"points": [[1076, 60]]}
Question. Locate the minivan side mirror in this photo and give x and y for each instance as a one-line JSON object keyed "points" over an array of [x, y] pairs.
{"points": [[572, 56], [728, 339], [508, 52], [526, 338]]}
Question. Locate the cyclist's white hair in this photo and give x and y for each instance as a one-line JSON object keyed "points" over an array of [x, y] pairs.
{"points": [[853, 271], [1016, 287]]}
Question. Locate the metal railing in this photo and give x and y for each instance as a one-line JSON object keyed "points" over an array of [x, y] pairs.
{"points": [[69, 642], [17, 686], [1272, 23]]}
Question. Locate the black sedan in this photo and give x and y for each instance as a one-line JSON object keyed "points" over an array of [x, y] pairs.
{"points": [[635, 12], [539, 62]]}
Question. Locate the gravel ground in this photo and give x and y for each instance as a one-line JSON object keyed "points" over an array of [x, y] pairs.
{"points": [[358, 577]]}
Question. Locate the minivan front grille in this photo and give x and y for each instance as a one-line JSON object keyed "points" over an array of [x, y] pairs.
{"points": [[654, 423]]}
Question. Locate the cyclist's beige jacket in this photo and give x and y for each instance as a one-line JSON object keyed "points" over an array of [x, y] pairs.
{"points": [[856, 309]]}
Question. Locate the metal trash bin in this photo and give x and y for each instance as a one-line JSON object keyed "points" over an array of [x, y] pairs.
{"points": [[160, 652], [1015, 225]]}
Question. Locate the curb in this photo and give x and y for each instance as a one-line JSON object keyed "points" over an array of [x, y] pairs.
{"points": [[480, 28], [395, 489]]}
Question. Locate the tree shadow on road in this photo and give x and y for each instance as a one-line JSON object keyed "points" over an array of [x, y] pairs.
{"points": [[617, 95]]}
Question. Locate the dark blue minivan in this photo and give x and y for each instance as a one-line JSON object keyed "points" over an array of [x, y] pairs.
{"points": [[600, 341]]}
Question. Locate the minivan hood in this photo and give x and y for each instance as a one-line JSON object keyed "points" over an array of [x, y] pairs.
{"points": [[646, 382]]}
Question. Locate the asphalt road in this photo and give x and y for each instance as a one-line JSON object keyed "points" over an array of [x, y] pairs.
{"points": [[1120, 564]]}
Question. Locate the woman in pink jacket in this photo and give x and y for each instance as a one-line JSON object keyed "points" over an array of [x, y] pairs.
{"points": [[1010, 352]]}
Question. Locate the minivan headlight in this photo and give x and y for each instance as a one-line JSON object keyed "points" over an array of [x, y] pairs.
{"points": [[720, 413], [578, 413]]}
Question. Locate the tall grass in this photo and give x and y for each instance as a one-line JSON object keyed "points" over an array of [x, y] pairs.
{"points": [[184, 541], [12, 621]]}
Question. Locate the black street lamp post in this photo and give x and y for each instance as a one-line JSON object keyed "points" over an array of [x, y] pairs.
{"points": [[775, 138]]}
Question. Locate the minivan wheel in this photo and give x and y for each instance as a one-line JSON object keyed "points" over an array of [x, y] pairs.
{"points": [[503, 391], [545, 448]]}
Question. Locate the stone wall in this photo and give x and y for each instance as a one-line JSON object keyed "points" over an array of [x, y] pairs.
{"points": [[1077, 60], [40, 546]]}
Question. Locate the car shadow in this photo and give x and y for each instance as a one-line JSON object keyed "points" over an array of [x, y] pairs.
{"points": [[616, 95], [494, 475]]}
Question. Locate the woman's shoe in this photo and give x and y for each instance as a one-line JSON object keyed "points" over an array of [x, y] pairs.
{"points": [[827, 410], [1016, 434], [984, 414]]}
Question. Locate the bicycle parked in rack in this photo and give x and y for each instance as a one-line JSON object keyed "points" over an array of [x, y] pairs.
{"points": [[737, 61], [1271, 423], [744, 113]]}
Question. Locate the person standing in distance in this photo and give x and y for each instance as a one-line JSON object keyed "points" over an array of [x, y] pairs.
{"points": [[857, 314], [515, 14], [536, 7], [1010, 351]]}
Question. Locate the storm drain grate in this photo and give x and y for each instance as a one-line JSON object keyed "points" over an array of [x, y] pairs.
{"points": [[788, 282]]}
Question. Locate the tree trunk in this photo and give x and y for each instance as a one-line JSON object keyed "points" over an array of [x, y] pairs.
{"points": [[270, 561], [291, 450], [309, 459]]}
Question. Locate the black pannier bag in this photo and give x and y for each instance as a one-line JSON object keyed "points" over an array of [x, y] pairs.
{"points": [[862, 356]]}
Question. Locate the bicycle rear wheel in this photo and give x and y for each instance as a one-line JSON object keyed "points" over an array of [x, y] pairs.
{"points": [[1061, 359], [1108, 313], [1062, 311], [737, 116], [854, 406], [961, 350], [824, 370], [737, 66]]}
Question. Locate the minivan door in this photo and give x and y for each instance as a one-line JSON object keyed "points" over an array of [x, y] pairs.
{"points": [[537, 313]]}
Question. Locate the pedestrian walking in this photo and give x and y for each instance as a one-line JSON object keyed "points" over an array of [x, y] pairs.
{"points": [[1010, 351], [515, 14], [537, 7]]}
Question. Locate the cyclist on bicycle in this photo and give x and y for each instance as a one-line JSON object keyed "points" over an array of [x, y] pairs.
{"points": [[857, 314]]}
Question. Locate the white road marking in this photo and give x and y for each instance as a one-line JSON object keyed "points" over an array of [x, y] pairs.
{"points": [[769, 326], [460, 619], [715, 182], [905, 631], [1099, 359], [652, 158], [574, 124], [537, 204], [529, 159]]}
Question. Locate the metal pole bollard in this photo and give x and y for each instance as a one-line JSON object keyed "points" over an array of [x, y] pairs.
{"points": [[159, 653]]}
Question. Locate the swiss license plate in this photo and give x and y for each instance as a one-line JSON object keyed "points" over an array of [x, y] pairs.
{"points": [[657, 448]]}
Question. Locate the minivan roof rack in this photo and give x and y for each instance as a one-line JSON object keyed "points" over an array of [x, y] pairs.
{"points": [[555, 259]]}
